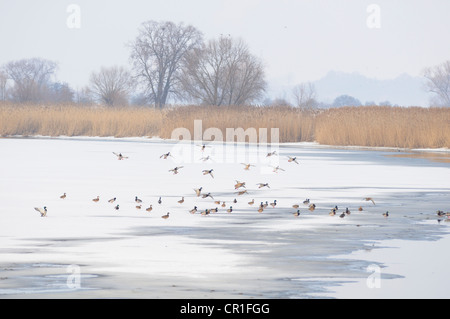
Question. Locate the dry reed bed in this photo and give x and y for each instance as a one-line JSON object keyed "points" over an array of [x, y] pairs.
{"points": [[405, 127], [72, 120], [411, 127], [293, 124]]}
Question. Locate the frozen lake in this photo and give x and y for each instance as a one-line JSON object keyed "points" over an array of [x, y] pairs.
{"points": [[87, 249]]}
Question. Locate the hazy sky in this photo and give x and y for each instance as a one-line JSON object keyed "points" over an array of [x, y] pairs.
{"points": [[298, 40]]}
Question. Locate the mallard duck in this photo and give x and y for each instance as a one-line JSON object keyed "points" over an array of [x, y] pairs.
{"points": [[342, 215], [276, 169], [297, 213], [63, 196], [440, 213], [205, 212], [214, 210], [360, 208], [369, 199], [137, 200], [260, 209], [229, 210], [208, 171], [120, 156], [332, 212], [252, 202], [193, 210], [347, 211], [175, 170], [204, 159], [386, 214], [271, 153], [261, 185], [149, 209], [181, 201], [96, 199], [207, 195], [242, 192], [295, 206], [138, 206], [112, 200], [235, 201], [198, 191], [292, 159], [165, 216], [43, 211], [312, 207], [247, 166], [203, 147], [306, 201], [159, 200], [116, 207], [266, 204], [165, 156], [274, 203], [239, 184], [223, 204]]}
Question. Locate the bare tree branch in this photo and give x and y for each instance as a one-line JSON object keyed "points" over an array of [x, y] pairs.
{"points": [[222, 72], [156, 54], [439, 82], [111, 86]]}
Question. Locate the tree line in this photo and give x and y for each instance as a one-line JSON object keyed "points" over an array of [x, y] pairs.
{"points": [[171, 62]]}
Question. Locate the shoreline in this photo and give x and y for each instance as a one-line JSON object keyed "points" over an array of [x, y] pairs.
{"points": [[157, 139]]}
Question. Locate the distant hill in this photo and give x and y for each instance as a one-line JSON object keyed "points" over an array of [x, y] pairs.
{"points": [[404, 90]]}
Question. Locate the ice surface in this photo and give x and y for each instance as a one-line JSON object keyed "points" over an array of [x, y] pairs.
{"points": [[244, 253]]}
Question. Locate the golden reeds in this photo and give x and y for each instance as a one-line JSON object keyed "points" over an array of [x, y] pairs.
{"points": [[411, 127], [404, 127]]}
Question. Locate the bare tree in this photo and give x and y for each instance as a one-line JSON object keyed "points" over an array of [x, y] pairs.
{"points": [[156, 54], [83, 96], [305, 95], [111, 86], [439, 82], [59, 93], [222, 72], [30, 78], [3, 83]]}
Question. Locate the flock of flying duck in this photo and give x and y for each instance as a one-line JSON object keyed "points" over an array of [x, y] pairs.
{"points": [[237, 187]]}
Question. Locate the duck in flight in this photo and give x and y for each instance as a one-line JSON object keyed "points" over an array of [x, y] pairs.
{"points": [[43, 211], [175, 170], [292, 159], [247, 166], [239, 184], [198, 191], [276, 169], [120, 156], [208, 171], [166, 155]]}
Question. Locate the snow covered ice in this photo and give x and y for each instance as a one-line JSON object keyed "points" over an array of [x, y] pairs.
{"points": [[130, 252]]}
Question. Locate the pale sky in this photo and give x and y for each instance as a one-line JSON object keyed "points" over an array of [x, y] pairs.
{"points": [[298, 40]]}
